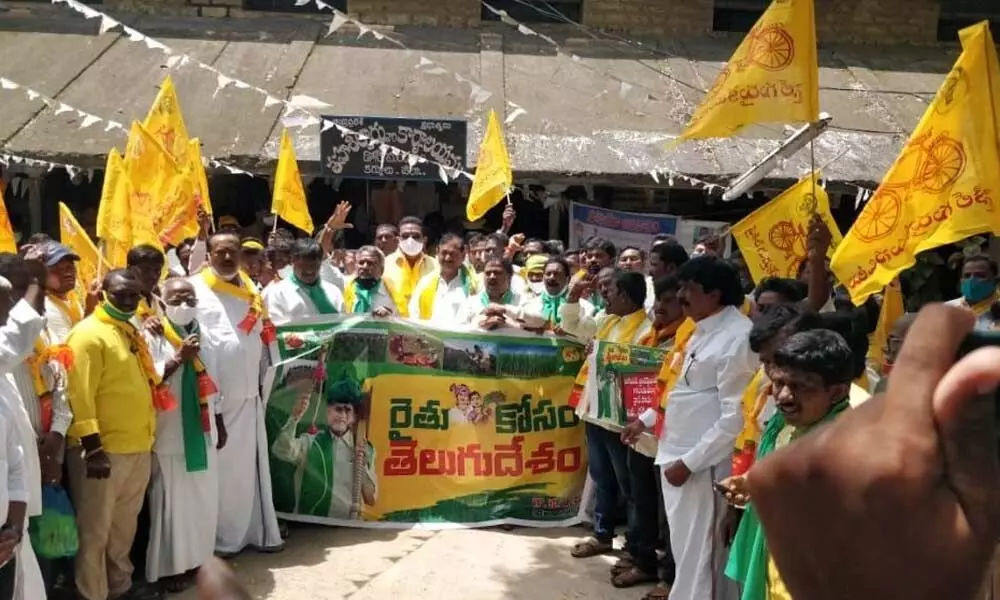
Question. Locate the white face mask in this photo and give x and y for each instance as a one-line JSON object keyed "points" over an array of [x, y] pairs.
{"points": [[286, 272], [411, 247], [537, 287], [182, 314]]}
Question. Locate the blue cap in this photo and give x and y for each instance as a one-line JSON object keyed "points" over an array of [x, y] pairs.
{"points": [[55, 252]]}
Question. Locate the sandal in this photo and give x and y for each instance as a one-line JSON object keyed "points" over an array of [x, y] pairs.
{"points": [[660, 592], [633, 577], [623, 564], [177, 583], [591, 547]]}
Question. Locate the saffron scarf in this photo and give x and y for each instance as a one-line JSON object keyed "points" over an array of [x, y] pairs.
{"points": [[69, 307], [630, 327], [196, 388], [748, 556], [163, 399], [41, 356], [316, 295], [246, 291], [429, 294]]}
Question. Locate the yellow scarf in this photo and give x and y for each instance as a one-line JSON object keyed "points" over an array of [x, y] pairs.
{"points": [[247, 292], [350, 296], [657, 337], [630, 326], [429, 293], [144, 311], [69, 307], [41, 356], [754, 398], [163, 398], [980, 308]]}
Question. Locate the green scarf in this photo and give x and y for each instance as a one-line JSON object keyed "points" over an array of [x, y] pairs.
{"points": [[116, 314], [195, 452], [316, 489], [316, 295], [598, 301], [363, 293], [508, 297], [550, 307], [748, 556]]}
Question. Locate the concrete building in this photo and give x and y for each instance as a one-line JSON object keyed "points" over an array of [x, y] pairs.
{"points": [[593, 88]]}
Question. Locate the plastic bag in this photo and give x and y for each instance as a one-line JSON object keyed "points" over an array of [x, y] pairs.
{"points": [[53, 533]]}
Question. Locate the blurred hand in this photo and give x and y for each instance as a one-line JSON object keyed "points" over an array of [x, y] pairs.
{"points": [[217, 582], [382, 312], [98, 465], [509, 214], [909, 480], [819, 237], [632, 431], [737, 492], [190, 348], [338, 220]]}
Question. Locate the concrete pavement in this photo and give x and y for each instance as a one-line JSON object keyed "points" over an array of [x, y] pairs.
{"points": [[327, 563]]}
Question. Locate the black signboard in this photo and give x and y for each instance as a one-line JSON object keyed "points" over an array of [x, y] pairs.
{"points": [[344, 154]]}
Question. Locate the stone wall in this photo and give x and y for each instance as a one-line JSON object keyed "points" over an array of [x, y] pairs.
{"points": [[864, 21]]}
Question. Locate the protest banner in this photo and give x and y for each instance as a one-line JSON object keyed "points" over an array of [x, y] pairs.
{"points": [[622, 228], [451, 428], [625, 379]]}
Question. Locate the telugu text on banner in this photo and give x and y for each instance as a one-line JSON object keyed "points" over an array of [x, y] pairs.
{"points": [[385, 423], [943, 186], [625, 378], [771, 78], [773, 238]]}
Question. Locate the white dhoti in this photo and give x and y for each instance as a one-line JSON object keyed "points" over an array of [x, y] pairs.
{"points": [[29, 584], [694, 514], [183, 515], [246, 508]]}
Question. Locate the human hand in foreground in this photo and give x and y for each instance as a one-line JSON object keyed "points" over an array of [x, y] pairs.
{"points": [[217, 582], [902, 493], [734, 490]]}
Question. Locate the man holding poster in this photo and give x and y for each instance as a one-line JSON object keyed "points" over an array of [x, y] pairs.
{"points": [[325, 460]]}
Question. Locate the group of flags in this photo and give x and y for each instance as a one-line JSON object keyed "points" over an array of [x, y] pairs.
{"points": [[154, 192]]}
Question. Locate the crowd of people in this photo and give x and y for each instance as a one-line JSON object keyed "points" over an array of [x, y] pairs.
{"points": [[143, 398]]}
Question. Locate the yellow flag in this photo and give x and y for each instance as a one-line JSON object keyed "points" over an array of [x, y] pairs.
{"points": [[162, 201], [289, 199], [942, 187], [200, 180], [114, 214], [493, 174], [166, 123], [76, 239], [772, 239], [771, 78], [892, 309], [7, 243]]}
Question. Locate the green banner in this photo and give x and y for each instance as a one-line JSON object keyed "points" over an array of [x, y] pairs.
{"points": [[381, 422]]}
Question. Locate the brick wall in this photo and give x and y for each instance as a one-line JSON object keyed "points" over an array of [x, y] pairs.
{"points": [[877, 21], [649, 16], [865, 21]]}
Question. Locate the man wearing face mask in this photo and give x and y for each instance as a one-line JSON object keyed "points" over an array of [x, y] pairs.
{"points": [[304, 293], [184, 487], [541, 313], [324, 461], [235, 329], [534, 275], [369, 291], [979, 290], [438, 298], [113, 389], [406, 267]]}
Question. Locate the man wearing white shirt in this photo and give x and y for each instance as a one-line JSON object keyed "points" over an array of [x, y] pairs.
{"points": [[304, 293], [21, 284], [439, 297], [369, 291], [13, 500], [702, 420]]}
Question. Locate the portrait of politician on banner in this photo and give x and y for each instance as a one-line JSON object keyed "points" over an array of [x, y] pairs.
{"points": [[380, 423]]}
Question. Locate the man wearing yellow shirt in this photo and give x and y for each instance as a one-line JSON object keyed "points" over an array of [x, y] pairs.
{"points": [[111, 395], [405, 267]]}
